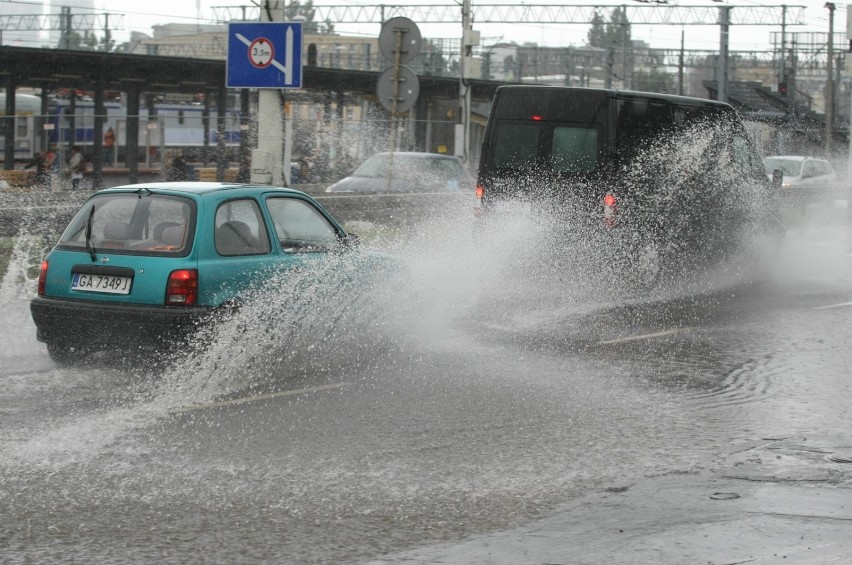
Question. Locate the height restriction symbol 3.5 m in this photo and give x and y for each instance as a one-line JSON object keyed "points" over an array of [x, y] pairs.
{"points": [[264, 55]]}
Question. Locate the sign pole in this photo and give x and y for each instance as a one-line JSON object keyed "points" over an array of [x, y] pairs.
{"points": [[267, 159], [398, 87], [395, 102]]}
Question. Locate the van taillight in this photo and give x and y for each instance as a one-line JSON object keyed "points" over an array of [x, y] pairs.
{"points": [[42, 278], [536, 118], [182, 288], [480, 192], [609, 210]]}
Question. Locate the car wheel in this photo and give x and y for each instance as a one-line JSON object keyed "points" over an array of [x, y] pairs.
{"points": [[61, 353]]}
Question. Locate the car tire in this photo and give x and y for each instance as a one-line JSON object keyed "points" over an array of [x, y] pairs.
{"points": [[61, 353]]}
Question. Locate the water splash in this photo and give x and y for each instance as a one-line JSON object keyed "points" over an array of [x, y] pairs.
{"points": [[18, 286]]}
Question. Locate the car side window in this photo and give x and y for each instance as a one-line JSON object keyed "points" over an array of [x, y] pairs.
{"points": [[239, 229], [300, 226], [745, 157]]}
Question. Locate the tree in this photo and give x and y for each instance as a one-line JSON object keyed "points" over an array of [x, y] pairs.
{"points": [[434, 61], [596, 37], [609, 34], [327, 28], [654, 81], [90, 40], [613, 36], [306, 12]]}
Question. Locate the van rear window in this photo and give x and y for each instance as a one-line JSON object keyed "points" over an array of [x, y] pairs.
{"points": [[569, 148], [574, 149], [516, 146]]}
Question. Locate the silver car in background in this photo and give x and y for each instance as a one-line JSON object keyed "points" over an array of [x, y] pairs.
{"points": [[801, 171], [407, 171]]}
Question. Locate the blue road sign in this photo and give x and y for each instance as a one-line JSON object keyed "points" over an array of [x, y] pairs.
{"points": [[264, 55]]}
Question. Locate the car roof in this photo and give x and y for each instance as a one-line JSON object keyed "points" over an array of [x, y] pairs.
{"points": [[199, 188], [423, 154], [794, 158]]}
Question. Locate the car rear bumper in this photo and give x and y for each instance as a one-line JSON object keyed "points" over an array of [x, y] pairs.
{"points": [[101, 324]]}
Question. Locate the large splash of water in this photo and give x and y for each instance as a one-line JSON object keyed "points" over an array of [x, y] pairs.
{"points": [[451, 284]]}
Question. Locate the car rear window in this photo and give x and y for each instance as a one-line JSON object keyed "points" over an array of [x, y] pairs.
{"points": [[134, 224]]}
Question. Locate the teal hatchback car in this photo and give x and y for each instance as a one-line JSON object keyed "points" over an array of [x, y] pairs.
{"points": [[150, 262]]}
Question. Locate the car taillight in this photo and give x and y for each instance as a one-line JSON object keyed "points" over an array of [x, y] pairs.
{"points": [[182, 288], [42, 278], [480, 192], [609, 210]]}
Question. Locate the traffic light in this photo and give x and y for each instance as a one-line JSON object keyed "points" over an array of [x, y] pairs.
{"points": [[782, 88]]}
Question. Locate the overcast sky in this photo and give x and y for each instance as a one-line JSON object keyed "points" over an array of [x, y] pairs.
{"points": [[141, 15]]}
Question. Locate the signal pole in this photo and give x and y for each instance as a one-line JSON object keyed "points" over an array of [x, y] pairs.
{"points": [[469, 39], [829, 84]]}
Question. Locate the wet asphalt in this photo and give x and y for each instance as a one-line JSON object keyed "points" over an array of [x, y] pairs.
{"points": [[469, 421]]}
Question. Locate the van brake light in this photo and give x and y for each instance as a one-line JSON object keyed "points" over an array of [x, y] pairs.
{"points": [[182, 288], [609, 211]]}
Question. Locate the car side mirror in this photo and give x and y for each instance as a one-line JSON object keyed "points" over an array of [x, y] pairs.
{"points": [[777, 177]]}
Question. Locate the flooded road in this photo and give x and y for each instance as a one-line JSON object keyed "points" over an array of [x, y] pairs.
{"points": [[482, 398]]}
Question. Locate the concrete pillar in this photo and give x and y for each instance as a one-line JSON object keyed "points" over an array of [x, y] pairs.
{"points": [[9, 128], [98, 141], [221, 149], [132, 135]]}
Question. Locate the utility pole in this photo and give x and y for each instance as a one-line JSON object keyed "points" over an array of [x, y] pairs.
{"points": [[849, 149], [724, 24], [65, 28], [782, 74], [470, 38], [107, 36], [680, 64], [829, 84], [623, 29]]}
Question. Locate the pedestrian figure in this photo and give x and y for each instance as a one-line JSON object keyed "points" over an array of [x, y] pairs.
{"points": [[50, 164], [75, 167], [42, 172], [179, 169], [109, 144]]}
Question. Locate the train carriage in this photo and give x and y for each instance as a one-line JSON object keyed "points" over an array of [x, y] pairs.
{"points": [[27, 108], [174, 125]]}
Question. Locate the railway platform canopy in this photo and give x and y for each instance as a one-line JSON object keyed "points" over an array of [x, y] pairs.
{"points": [[135, 74]]}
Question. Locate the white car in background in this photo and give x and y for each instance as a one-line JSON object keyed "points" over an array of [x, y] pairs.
{"points": [[801, 171]]}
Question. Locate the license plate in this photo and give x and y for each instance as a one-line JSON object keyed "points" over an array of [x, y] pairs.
{"points": [[101, 283]]}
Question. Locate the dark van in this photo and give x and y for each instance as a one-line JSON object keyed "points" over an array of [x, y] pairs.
{"points": [[660, 180]]}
